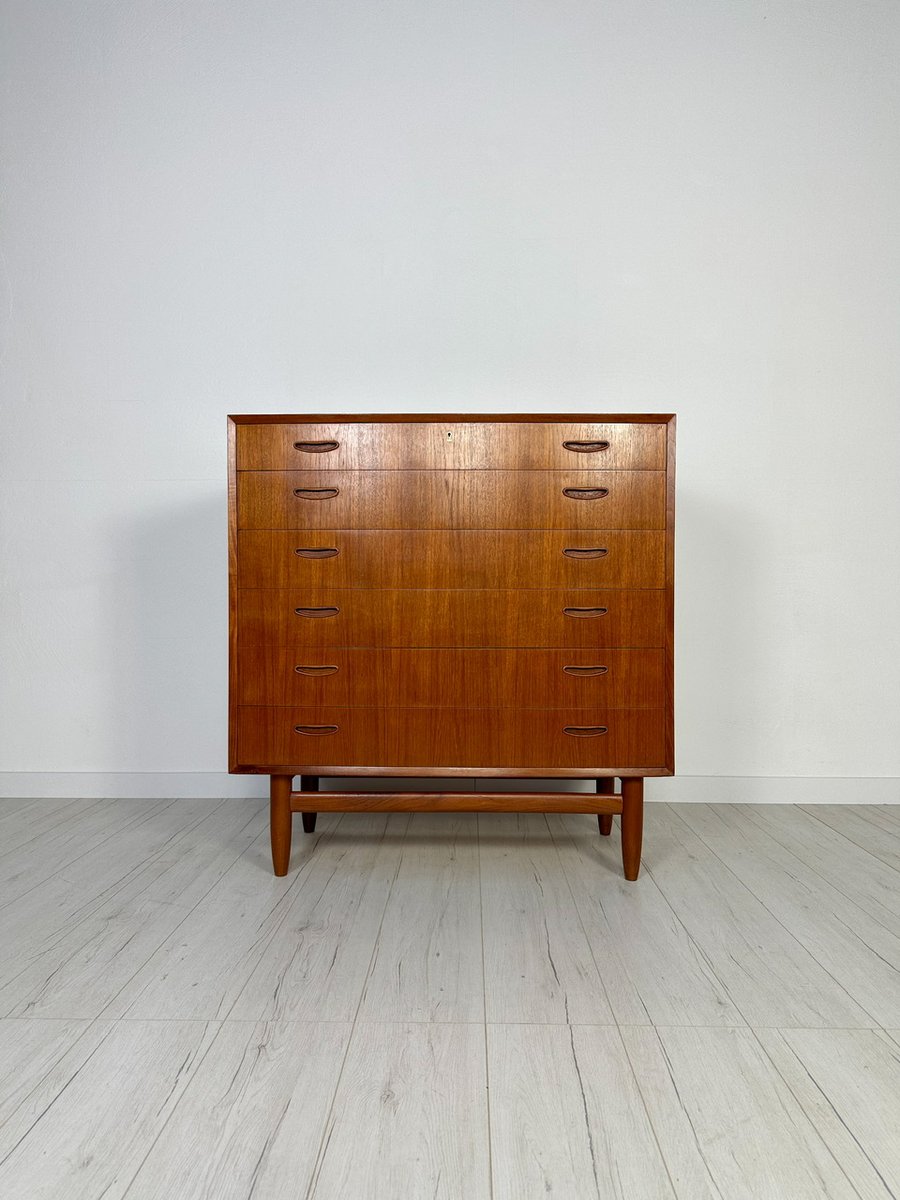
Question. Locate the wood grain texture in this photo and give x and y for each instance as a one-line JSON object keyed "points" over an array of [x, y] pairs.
{"points": [[452, 618], [316, 966], [539, 966], [567, 1117], [93, 1136], [449, 443], [463, 737], [457, 801], [409, 1118], [202, 966], [250, 1119], [451, 558], [861, 953], [393, 677], [749, 1130], [78, 966], [427, 961], [450, 500], [771, 977], [37, 1061], [848, 1082], [653, 971]]}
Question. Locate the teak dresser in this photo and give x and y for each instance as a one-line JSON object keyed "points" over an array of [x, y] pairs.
{"points": [[452, 596]]}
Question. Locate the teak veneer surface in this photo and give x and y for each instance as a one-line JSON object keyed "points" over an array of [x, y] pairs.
{"points": [[451, 617], [404, 678], [463, 499], [466, 737], [450, 444], [452, 595], [452, 558]]}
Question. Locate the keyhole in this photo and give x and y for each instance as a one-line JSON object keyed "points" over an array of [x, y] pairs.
{"points": [[449, 435]]}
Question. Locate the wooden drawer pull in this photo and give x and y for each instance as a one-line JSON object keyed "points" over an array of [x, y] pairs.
{"points": [[315, 730], [316, 447], [579, 670], [573, 552], [328, 611], [585, 730], [315, 493], [582, 612], [313, 552], [576, 493], [325, 670], [586, 447]]}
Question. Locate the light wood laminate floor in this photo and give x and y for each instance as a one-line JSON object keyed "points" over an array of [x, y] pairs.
{"points": [[448, 1006]]}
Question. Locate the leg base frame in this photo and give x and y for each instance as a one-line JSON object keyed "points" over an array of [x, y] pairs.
{"points": [[606, 803]]}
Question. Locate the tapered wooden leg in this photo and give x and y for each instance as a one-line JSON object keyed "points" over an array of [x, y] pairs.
{"points": [[632, 825], [280, 821], [309, 783], [605, 787]]}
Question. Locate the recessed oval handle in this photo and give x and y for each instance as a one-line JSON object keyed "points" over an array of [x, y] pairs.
{"points": [[585, 730], [586, 447], [315, 493], [577, 493], [315, 730], [585, 612], [323, 447], [589, 552], [582, 671], [325, 611], [316, 671], [315, 552]]}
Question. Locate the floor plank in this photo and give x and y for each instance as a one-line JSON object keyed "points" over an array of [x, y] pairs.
{"points": [[856, 874], [94, 1134], [77, 972], [858, 952], [428, 961], [770, 976], [539, 967], [35, 819], [100, 823], [251, 1118], [409, 1117], [201, 968], [654, 973], [59, 904], [848, 821], [754, 1138], [37, 1060], [316, 967], [567, 1117], [848, 1084]]}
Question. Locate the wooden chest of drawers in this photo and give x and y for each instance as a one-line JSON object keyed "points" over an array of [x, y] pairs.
{"points": [[452, 596]]}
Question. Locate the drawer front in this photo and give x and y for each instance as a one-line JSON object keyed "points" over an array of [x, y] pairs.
{"points": [[398, 678], [314, 618], [304, 738], [574, 499], [454, 444], [466, 558]]}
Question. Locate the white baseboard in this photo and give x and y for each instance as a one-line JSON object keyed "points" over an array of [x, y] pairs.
{"points": [[702, 789]]}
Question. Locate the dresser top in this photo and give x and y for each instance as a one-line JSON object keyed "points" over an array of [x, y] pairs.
{"points": [[475, 418]]}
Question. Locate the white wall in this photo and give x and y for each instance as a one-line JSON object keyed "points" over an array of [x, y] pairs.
{"points": [[282, 206]]}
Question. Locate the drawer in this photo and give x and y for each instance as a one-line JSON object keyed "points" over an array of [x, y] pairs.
{"points": [[572, 500], [319, 618], [448, 678], [434, 445], [467, 558], [450, 737]]}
